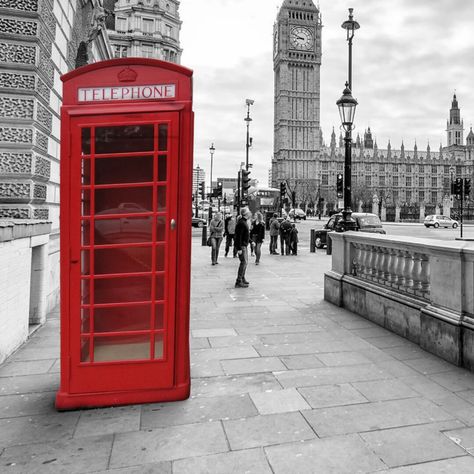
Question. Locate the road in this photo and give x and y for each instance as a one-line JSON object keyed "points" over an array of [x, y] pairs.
{"points": [[410, 230]]}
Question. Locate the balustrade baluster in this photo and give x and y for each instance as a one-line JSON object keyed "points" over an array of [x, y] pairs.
{"points": [[408, 269], [417, 272], [400, 279], [425, 274], [385, 274]]}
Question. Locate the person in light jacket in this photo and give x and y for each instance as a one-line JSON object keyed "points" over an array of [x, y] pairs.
{"points": [[217, 231], [274, 232]]}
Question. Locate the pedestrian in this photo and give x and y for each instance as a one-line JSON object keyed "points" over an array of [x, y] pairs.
{"points": [[252, 243], [274, 231], [285, 229], [217, 231], [257, 235], [241, 242], [294, 239], [229, 232]]}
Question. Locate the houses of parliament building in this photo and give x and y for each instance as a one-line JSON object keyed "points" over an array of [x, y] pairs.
{"points": [[400, 176], [393, 177]]}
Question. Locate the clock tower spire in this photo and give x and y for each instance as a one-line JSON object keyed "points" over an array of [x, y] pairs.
{"points": [[296, 66]]}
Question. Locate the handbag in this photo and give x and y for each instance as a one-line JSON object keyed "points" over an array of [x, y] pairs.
{"points": [[208, 242]]}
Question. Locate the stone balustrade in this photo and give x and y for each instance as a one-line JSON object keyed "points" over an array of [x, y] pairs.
{"points": [[421, 289], [404, 270]]}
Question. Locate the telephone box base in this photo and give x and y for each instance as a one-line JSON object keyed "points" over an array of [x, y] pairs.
{"points": [[71, 401]]}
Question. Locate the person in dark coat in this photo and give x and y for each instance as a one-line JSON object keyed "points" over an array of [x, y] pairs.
{"points": [[294, 240], [285, 229], [257, 234], [241, 242], [229, 233]]}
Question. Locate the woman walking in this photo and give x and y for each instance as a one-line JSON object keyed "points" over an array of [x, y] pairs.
{"points": [[217, 231], [257, 235]]}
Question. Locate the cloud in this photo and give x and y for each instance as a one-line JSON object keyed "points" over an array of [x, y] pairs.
{"points": [[409, 58]]}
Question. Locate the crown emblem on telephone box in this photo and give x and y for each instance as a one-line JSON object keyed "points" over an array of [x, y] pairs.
{"points": [[127, 75]]}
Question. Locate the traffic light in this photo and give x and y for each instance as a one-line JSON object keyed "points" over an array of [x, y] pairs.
{"points": [[340, 185], [458, 187], [293, 199], [467, 186], [218, 190], [245, 182], [282, 190], [202, 189]]}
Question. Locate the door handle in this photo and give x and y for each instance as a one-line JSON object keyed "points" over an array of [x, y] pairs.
{"points": [[173, 224]]}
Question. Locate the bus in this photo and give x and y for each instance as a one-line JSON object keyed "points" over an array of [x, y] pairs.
{"points": [[263, 199]]}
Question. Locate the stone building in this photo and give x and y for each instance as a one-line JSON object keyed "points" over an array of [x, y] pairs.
{"points": [[296, 65], [391, 177], [199, 175], [146, 28], [40, 41]]}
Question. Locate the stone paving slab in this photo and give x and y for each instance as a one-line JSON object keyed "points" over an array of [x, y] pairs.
{"points": [[374, 416], [197, 410], [166, 444], [282, 382], [248, 461], [338, 455], [266, 430], [61, 456], [401, 446]]}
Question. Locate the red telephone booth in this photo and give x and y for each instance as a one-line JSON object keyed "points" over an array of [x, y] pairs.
{"points": [[126, 184]]}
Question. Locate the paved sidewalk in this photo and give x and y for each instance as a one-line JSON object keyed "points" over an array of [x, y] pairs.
{"points": [[283, 382]]}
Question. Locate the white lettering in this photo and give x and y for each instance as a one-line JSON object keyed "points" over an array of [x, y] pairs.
{"points": [[98, 94]]}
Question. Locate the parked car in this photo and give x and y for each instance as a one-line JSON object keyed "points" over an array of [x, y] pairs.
{"points": [[198, 222], [440, 221], [297, 214], [365, 222]]}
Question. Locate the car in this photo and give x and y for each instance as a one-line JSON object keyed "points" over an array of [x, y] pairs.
{"points": [[297, 214], [198, 222], [436, 221], [365, 222]]}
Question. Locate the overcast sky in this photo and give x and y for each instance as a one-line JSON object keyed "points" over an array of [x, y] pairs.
{"points": [[409, 58]]}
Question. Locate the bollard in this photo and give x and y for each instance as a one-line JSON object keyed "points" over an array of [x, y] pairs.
{"points": [[204, 236], [312, 241], [328, 245]]}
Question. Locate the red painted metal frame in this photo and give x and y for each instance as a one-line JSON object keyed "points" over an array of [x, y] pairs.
{"points": [[86, 384]]}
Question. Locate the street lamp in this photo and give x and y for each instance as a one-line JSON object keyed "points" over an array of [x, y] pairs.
{"points": [[248, 102], [211, 150], [347, 107]]}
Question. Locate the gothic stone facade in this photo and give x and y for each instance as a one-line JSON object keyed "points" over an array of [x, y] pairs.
{"points": [[297, 63], [39, 41], [399, 177]]}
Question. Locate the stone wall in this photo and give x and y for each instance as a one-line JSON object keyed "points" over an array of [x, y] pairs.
{"points": [[421, 289], [24, 264]]}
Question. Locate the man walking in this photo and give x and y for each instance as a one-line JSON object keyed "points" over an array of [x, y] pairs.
{"points": [[230, 233], [241, 242]]}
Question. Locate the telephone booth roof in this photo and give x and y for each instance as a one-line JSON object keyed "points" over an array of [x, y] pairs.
{"points": [[126, 72]]}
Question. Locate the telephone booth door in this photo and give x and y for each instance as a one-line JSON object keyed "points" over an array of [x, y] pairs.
{"points": [[123, 230], [126, 184]]}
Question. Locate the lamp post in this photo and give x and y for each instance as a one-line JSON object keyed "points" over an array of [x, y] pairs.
{"points": [[347, 107], [211, 150], [248, 142]]}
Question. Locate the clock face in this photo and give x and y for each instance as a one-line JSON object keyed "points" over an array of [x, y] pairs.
{"points": [[301, 38]]}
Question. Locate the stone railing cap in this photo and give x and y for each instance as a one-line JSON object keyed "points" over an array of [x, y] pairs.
{"points": [[12, 229]]}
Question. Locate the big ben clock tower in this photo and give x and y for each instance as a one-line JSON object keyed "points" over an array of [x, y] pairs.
{"points": [[296, 65]]}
